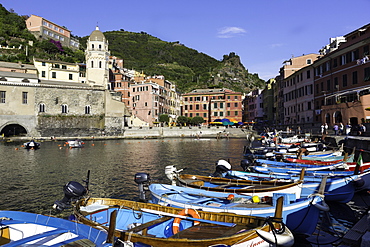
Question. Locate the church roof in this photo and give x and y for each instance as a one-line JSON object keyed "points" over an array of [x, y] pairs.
{"points": [[97, 35]]}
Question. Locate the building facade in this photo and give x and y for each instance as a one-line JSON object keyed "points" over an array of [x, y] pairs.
{"points": [[35, 106], [45, 29], [213, 104], [342, 78]]}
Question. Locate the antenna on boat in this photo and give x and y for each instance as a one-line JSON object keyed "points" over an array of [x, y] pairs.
{"points": [[87, 181]]}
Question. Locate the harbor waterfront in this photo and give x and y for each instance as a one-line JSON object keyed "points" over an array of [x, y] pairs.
{"points": [[35, 178]]}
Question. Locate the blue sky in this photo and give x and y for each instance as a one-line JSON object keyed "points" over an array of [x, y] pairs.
{"points": [[264, 33]]}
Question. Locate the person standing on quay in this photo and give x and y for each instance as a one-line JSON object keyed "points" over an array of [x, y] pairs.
{"points": [[336, 128]]}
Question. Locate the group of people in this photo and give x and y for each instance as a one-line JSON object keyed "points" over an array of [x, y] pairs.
{"points": [[340, 129]]}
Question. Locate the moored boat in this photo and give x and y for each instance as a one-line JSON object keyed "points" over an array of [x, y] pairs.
{"points": [[32, 145], [75, 143], [146, 224], [163, 226], [240, 186], [300, 215], [28, 229]]}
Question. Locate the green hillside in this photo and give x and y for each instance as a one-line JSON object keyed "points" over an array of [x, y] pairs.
{"points": [[186, 67]]}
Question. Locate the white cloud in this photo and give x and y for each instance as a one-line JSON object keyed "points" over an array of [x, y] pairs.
{"points": [[229, 32], [276, 45]]}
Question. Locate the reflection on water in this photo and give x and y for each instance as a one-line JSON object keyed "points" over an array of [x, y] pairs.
{"points": [[31, 180]]}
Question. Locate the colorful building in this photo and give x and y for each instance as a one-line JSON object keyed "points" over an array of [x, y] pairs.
{"points": [[213, 104]]}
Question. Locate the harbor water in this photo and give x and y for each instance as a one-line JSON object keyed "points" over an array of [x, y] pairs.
{"points": [[31, 180]]}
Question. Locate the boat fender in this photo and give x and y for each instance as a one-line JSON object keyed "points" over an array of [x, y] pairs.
{"points": [[187, 211]]}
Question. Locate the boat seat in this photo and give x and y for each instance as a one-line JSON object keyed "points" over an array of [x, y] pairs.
{"points": [[148, 224], [4, 235], [208, 231]]}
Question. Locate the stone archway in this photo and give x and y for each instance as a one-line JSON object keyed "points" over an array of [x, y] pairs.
{"points": [[337, 117], [327, 118], [13, 130]]}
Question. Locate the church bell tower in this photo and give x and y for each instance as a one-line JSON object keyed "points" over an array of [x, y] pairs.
{"points": [[97, 55]]}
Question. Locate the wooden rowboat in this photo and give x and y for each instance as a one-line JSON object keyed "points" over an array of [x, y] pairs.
{"points": [[154, 225], [240, 186]]}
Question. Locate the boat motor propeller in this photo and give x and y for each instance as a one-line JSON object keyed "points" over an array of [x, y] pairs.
{"points": [[143, 180], [72, 191]]}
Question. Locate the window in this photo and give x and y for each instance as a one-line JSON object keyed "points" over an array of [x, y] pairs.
{"points": [[228, 113], [221, 105], [64, 108], [236, 104], [87, 109], [344, 81], [43, 64], [228, 104], [354, 77], [308, 74], [43, 73], [64, 66], [235, 97], [328, 85], [214, 105], [367, 74], [71, 76], [99, 64], [221, 114], [186, 107], [204, 114], [236, 113], [42, 107], [197, 107], [53, 74], [308, 61], [204, 106], [2, 96], [215, 114], [335, 63], [57, 66], [92, 64], [24, 97]]}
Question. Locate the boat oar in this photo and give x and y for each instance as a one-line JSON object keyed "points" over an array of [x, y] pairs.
{"points": [[187, 217]]}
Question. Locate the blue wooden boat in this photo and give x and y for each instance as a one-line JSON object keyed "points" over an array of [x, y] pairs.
{"points": [[300, 215], [337, 188], [147, 224], [240, 186], [28, 229]]}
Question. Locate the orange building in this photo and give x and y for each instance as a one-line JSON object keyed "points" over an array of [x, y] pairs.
{"points": [[45, 29], [212, 104]]}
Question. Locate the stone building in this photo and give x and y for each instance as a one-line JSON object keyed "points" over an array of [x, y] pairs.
{"points": [[32, 105]]}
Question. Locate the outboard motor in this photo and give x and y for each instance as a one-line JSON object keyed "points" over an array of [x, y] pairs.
{"points": [[72, 191], [143, 180], [222, 166], [171, 173], [246, 163]]}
